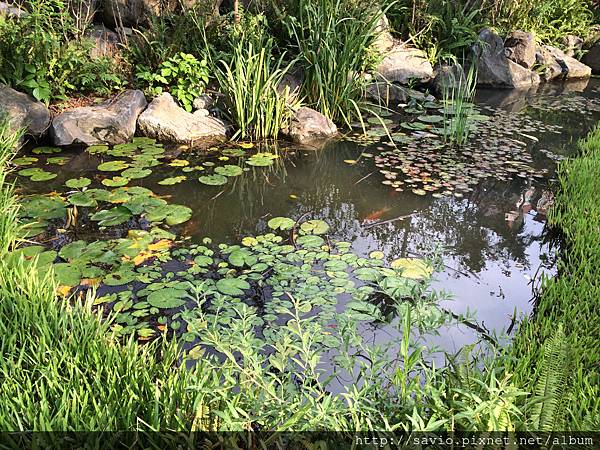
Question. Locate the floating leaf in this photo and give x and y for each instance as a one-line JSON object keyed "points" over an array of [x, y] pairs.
{"points": [[167, 298], [262, 159], [67, 274], [281, 223], [43, 176], [46, 150], [172, 181], [171, 214], [111, 217], [24, 161], [310, 241], [232, 286], [116, 181], [113, 166], [376, 255], [213, 180], [82, 199], [229, 170], [413, 268], [315, 227], [78, 183], [135, 173]]}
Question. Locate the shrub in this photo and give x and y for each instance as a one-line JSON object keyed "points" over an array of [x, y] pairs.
{"points": [[182, 75]]}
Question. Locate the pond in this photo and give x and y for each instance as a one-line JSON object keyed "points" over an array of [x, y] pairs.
{"points": [[481, 209]]}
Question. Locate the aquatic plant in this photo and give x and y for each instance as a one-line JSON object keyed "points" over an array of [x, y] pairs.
{"points": [[251, 79], [458, 94], [333, 41]]}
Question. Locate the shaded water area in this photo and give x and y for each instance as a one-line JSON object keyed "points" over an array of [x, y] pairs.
{"points": [[490, 231]]}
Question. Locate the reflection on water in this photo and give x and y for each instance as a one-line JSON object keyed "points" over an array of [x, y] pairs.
{"points": [[493, 240]]}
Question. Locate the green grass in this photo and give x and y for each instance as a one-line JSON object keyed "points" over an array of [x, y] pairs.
{"points": [[60, 367], [570, 300]]}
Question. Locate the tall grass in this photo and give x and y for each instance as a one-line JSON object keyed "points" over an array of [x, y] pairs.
{"points": [[250, 78], [570, 300], [458, 94], [333, 39], [9, 224]]}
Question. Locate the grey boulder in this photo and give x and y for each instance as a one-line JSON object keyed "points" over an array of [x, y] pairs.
{"points": [[166, 121], [495, 69], [11, 11], [571, 68], [402, 64], [592, 58], [308, 126], [112, 122], [519, 47], [24, 111]]}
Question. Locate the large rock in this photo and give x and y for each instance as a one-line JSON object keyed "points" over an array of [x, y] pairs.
{"points": [[106, 42], [572, 44], [11, 11], [592, 58], [112, 122], [309, 126], [384, 40], [24, 112], [549, 68], [519, 47], [130, 13], [495, 69], [571, 68], [403, 64], [392, 94], [166, 121]]}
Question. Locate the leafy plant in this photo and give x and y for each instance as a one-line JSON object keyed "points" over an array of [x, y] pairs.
{"points": [[458, 94], [182, 75]]}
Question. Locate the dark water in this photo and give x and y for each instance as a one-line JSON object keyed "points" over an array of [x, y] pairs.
{"points": [[492, 264]]}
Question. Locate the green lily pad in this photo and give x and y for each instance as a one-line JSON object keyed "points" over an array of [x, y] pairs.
{"points": [[110, 217], [232, 286], [413, 268], [43, 207], [167, 298], [229, 170], [172, 181], [46, 150], [113, 166], [136, 173], [213, 180], [310, 241], [281, 223], [171, 214], [67, 274], [116, 181], [83, 199], [60, 160], [43, 176], [262, 159], [24, 161], [431, 119], [315, 227], [78, 183]]}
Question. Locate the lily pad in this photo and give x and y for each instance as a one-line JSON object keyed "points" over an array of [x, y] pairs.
{"points": [[413, 268], [111, 217], [136, 173], [171, 214], [83, 199], [116, 181], [78, 183], [232, 286], [113, 166], [213, 180], [167, 298], [281, 223], [262, 159], [229, 170], [172, 181], [315, 227]]}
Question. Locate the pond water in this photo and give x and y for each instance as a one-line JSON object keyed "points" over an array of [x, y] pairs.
{"points": [[489, 230]]}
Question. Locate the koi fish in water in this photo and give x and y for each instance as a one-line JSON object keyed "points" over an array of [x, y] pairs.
{"points": [[376, 215]]}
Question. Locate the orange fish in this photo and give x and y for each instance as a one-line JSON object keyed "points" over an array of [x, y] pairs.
{"points": [[376, 214]]}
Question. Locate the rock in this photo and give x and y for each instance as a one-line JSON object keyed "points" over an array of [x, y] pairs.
{"points": [[106, 42], [11, 11], [495, 69], [24, 111], [519, 47], [571, 68], [572, 44], [309, 125], [592, 58], [205, 101], [166, 121], [384, 40], [448, 76], [112, 122], [392, 94], [131, 13], [403, 64], [548, 66]]}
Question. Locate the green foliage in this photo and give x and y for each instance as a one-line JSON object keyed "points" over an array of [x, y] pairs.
{"points": [[333, 40], [9, 225], [250, 76], [458, 95], [182, 75], [45, 54], [443, 28], [539, 348]]}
